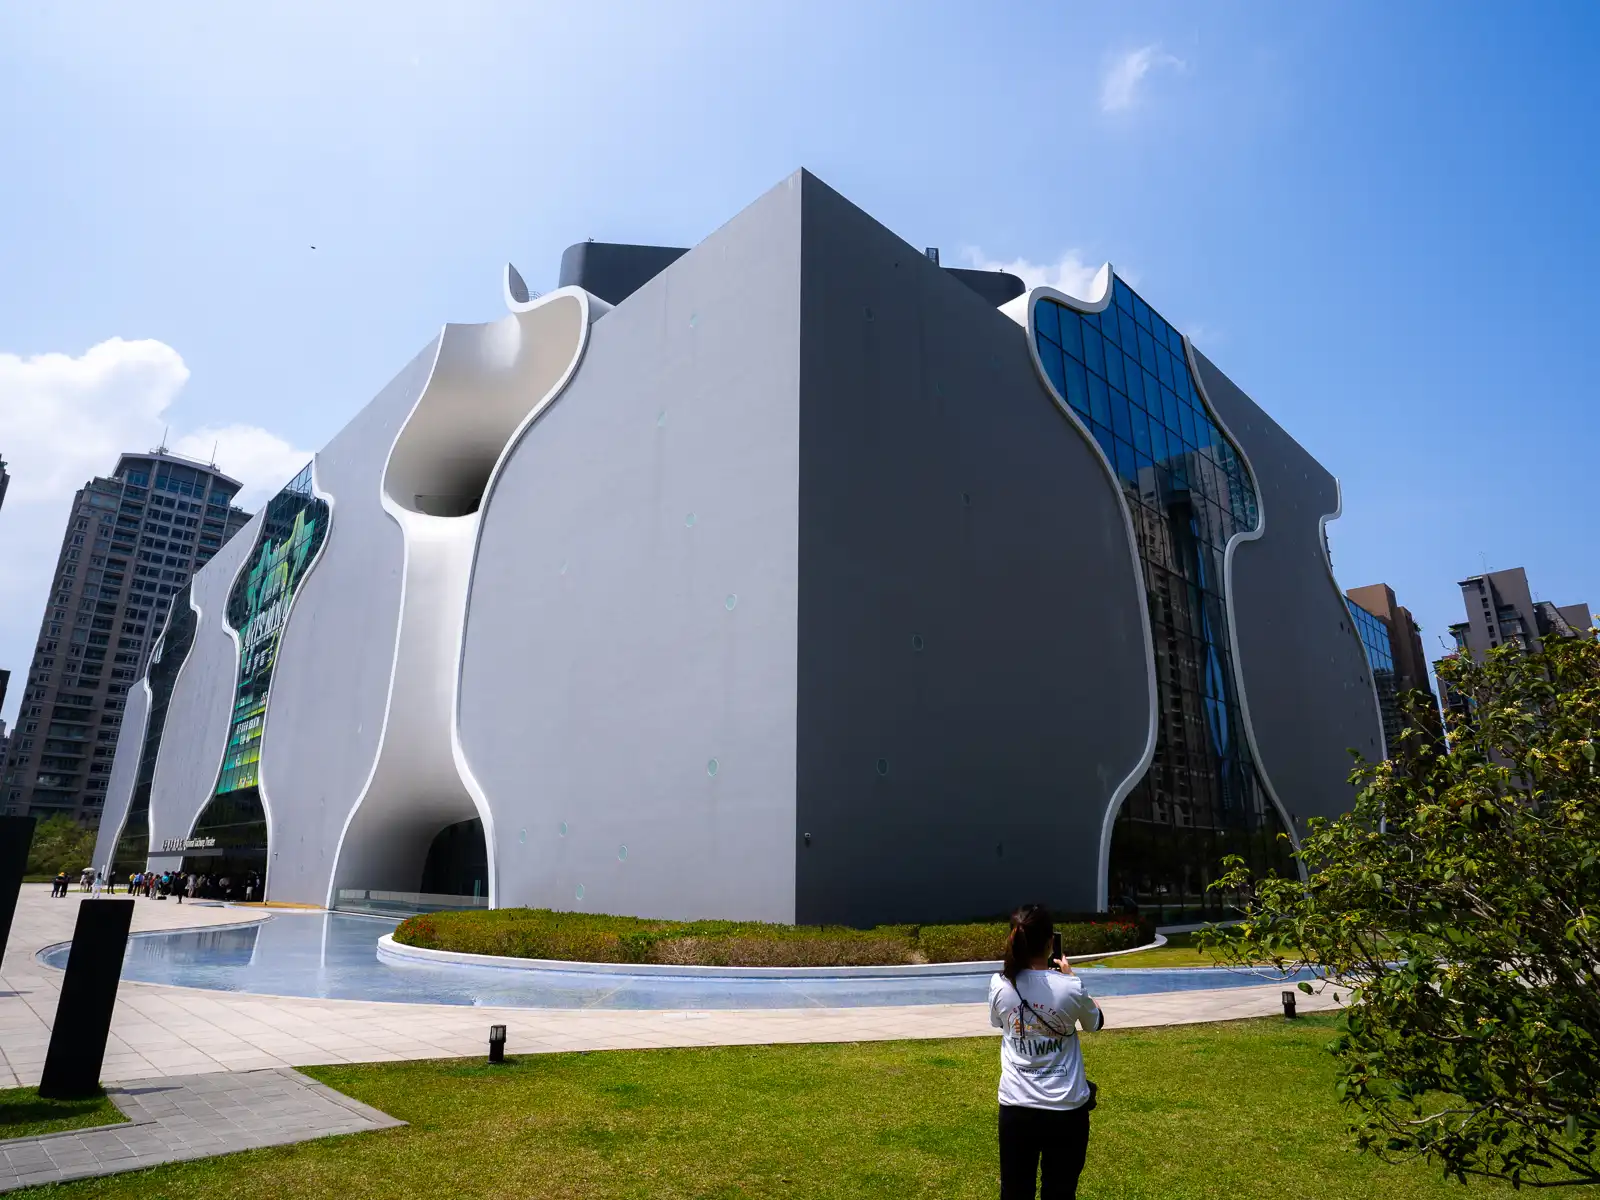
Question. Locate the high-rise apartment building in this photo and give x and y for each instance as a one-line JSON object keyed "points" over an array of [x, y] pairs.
{"points": [[1394, 650], [132, 540], [1501, 610]]}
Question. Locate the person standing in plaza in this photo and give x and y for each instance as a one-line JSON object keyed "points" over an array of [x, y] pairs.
{"points": [[1045, 1097]]}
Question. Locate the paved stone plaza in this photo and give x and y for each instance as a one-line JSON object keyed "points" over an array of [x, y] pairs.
{"points": [[190, 1116], [171, 1031]]}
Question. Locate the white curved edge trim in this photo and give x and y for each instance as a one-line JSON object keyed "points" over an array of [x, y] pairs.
{"points": [[391, 951], [1344, 605], [288, 615], [1103, 284], [394, 655], [1227, 597], [592, 308], [149, 703]]}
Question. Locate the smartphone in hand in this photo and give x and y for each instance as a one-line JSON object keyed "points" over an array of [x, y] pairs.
{"points": [[1055, 948]]}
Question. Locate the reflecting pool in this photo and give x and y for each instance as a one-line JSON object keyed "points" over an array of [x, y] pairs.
{"points": [[334, 956]]}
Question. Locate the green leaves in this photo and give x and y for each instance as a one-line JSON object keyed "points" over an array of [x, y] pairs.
{"points": [[1459, 899]]}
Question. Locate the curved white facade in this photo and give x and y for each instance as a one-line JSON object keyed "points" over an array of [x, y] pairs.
{"points": [[778, 589]]}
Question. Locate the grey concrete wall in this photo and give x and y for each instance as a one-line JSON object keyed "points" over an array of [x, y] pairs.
{"points": [[1308, 695], [632, 608], [945, 496], [330, 686], [124, 769], [201, 707]]}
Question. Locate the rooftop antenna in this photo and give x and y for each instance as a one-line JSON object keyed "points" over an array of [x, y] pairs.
{"points": [[214, 446], [1484, 559], [162, 449]]}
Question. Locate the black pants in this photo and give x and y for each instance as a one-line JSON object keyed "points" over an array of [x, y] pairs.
{"points": [[1029, 1137]]}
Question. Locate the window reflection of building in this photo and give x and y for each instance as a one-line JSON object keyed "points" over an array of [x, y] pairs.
{"points": [[1375, 640], [1125, 374]]}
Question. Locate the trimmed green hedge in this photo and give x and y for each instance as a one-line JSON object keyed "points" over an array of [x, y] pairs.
{"points": [[586, 937]]}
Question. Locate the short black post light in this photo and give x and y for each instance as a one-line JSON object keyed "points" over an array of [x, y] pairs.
{"points": [[497, 1043], [1288, 1005]]}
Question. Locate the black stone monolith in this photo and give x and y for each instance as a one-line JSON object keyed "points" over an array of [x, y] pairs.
{"points": [[88, 994]]}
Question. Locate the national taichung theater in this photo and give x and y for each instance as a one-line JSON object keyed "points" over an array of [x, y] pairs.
{"points": [[790, 577]]}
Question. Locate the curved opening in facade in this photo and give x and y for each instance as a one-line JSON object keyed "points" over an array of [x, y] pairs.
{"points": [[421, 859], [1123, 372], [485, 382]]}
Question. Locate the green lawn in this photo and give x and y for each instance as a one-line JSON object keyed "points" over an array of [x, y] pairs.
{"points": [[24, 1114], [1231, 1111]]}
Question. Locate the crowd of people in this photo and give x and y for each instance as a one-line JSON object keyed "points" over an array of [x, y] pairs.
{"points": [[160, 885]]}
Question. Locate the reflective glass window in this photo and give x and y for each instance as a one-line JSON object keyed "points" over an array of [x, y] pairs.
{"points": [[1202, 797]]}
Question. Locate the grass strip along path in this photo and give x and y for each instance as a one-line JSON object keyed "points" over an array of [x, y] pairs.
{"points": [[1235, 1111], [24, 1113]]}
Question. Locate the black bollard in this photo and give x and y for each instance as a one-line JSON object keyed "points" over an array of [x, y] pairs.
{"points": [[1288, 1005], [88, 996], [16, 839], [497, 1043]]}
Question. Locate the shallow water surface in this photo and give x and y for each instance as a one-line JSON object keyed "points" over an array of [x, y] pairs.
{"points": [[334, 956]]}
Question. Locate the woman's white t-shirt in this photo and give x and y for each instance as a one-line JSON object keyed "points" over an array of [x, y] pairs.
{"points": [[1041, 1065]]}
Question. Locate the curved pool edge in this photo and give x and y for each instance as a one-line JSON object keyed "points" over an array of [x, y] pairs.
{"points": [[399, 954], [57, 947]]}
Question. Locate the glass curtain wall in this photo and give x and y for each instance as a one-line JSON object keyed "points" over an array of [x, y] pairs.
{"points": [[1124, 373], [1380, 657], [292, 530]]}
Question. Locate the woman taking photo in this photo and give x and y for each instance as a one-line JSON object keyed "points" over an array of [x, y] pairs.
{"points": [[1044, 1097]]}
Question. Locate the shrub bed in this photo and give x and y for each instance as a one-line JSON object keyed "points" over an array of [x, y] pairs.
{"points": [[586, 937]]}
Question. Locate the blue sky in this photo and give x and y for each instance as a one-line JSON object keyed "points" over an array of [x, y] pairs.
{"points": [[1378, 218]]}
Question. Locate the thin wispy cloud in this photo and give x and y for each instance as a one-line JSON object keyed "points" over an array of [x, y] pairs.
{"points": [[1123, 81], [1071, 274]]}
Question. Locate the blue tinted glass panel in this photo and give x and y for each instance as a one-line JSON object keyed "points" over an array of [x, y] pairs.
{"points": [[1099, 401], [1047, 321], [1169, 405], [1175, 341], [1110, 326], [1094, 355], [1130, 333], [1114, 373], [1141, 430], [1119, 410], [1141, 311], [1133, 381], [1186, 425], [1123, 296], [1164, 366], [1107, 442], [1147, 351], [1050, 357], [1158, 441], [1077, 386], [1127, 465], [1071, 332]]}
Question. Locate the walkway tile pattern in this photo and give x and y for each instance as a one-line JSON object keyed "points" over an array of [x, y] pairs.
{"points": [[159, 1030], [193, 1116]]}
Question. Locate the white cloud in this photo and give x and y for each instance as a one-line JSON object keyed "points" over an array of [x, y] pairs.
{"points": [[1121, 85], [64, 420], [1071, 275]]}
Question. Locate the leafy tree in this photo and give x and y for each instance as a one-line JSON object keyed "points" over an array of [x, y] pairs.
{"points": [[60, 844], [1460, 901]]}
